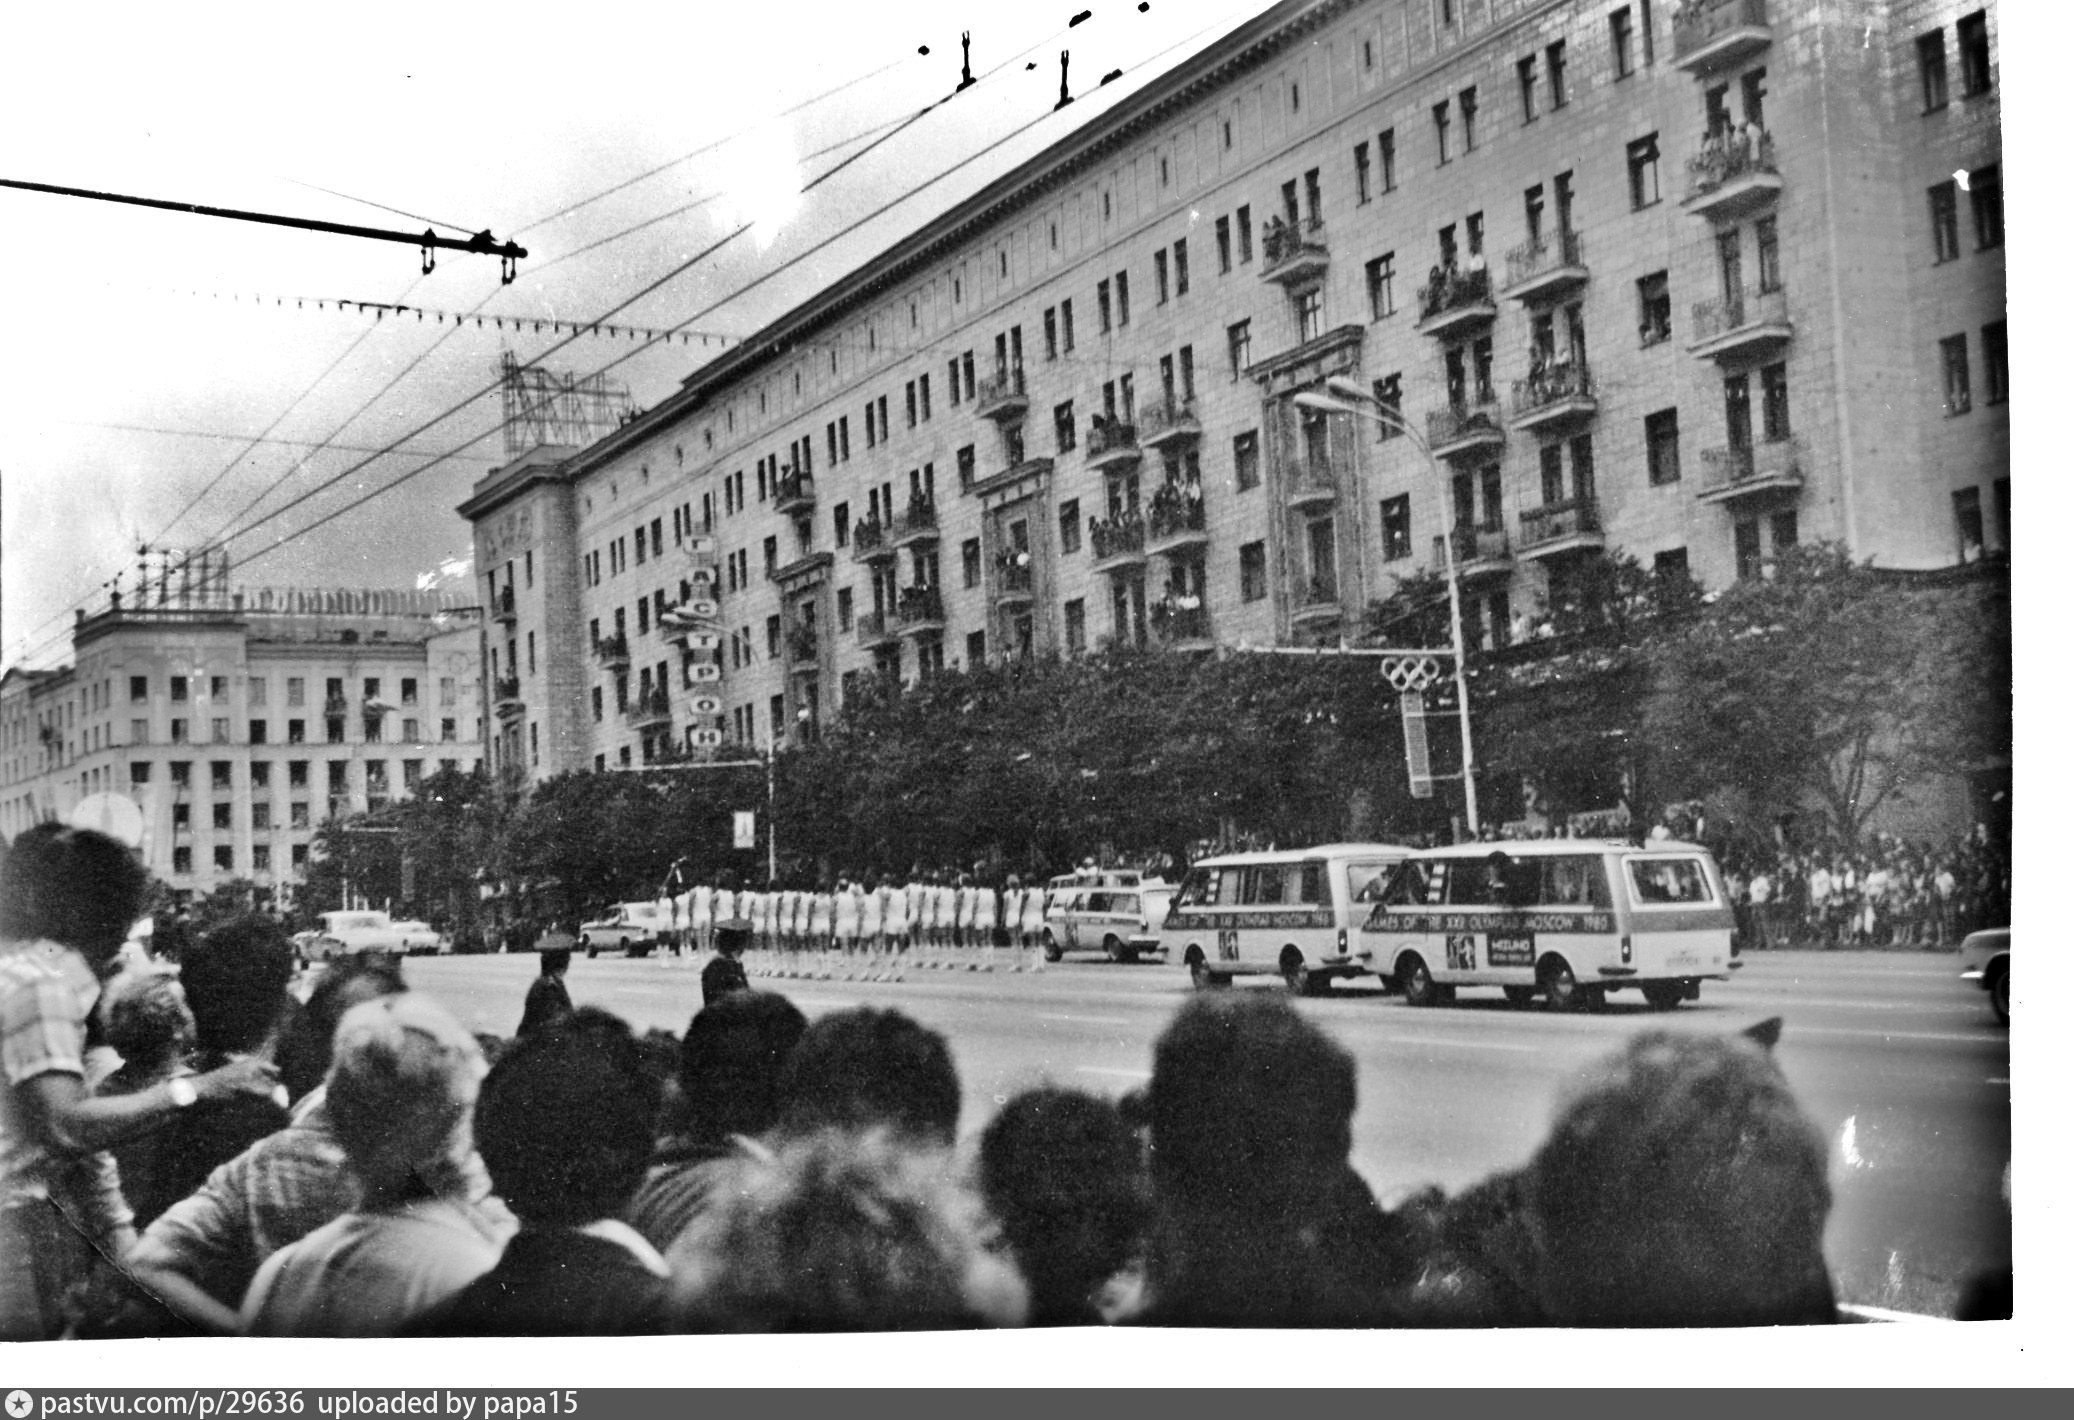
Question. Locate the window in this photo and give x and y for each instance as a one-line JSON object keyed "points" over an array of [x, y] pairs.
{"points": [[1076, 627], [1062, 425], [1966, 515], [969, 552], [1102, 314], [1245, 459], [1181, 267], [1238, 339], [1245, 226], [1123, 299], [1361, 173], [1159, 277], [1382, 279], [1985, 187], [1051, 335], [1253, 572], [1397, 527], [1994, 357], [1525, 69], [975, 648], [1621, 27], [1768, 274], [1660, 437], [255, 731], [178, 685], [1778, 422], [1644, 186], [1973, 54], [1467, 100], [1386, 158], [1069, 527], [1440, 129], [1958, 381], [1944, 220], [1389, 398], [1224, 246], [1066, 325], [1310, 314], [968, 466], [1558, 94], [183, 859]]}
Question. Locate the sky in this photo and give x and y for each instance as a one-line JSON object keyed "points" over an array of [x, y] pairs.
{"points": [[162, 383]]}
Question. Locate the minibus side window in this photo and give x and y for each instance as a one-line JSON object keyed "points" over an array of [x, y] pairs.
{"points": [[1469, 883], [1200, 888], [1366, 881], [1574, 882], [1668, 880], [1310, 884], [1095, 902], [1410, 884], [1267, 884]]}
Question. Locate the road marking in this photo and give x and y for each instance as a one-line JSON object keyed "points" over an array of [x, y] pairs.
{"points": [[1120, 1074], [1087, 1020], [1793, 1030], [1460, 1044]]}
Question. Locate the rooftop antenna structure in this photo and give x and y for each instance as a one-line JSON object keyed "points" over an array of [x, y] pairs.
{"points": [[552, 407], [965, 39], [1065, 58], [179, 578]]}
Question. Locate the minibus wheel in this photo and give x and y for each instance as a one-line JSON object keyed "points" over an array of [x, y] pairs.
{"points": [[1416, 982], [1199, 974], [1112, 947], [1998, 995], [1560, 984], [1301, 980]]}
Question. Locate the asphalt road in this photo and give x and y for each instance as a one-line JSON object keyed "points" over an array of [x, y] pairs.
{"points": [[1900, 1064]]}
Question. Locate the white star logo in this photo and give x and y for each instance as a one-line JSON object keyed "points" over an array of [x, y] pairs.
{"points": [[19, 1404]]}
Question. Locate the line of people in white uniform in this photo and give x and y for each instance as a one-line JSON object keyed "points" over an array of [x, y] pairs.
{"points": [[876, 930]]}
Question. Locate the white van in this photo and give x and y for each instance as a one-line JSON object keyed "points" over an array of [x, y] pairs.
{"points": [[1564, 919], [1291, 913], [636, 928], [1121, 922]]}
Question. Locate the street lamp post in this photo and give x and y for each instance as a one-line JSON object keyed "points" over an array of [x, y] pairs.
{"points": [[1370, 408]]}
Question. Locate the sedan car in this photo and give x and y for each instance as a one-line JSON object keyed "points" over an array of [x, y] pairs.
{"points": [[1986, 955], [1120, 922], [419, 939]]}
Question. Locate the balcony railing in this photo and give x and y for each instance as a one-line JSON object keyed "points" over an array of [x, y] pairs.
{"points": [[872, 630], [1575, 521], [869, 542], [1543, 268], [1733, 170], [1454, 298], [1119, 538], [1477, 550], [335, 705], [1319, 599], [649, 708], [1001, 396], [1013, 579], [1175, 514], [795, 493], [1291, 251], [1110, 440], [506, 606], [1554, 392], [611, 650], [1455, 428], [803, 646], [1178, 621], [1733, 472], [1708, 33], [1738, 323], [1168, 422], [918, 608], [1312, 485], [917, 524]]}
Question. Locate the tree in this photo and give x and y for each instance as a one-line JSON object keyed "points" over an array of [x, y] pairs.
{"points": [[1830, 686]]}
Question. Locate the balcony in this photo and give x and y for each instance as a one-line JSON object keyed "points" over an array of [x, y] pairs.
{"points": [[1319, 603], [1293, 251], [1118, 542], [1711, 34], [1170, 422], [920, 609], [801, 567], [611, 651], [1455, 300], [1733, 174], [1111, 443], [1458, 429], [1479, 552], [1018, 480], [873, 631], [334, 706], [1015, 584], [1545, 268], [1732, 474], [1312, 486], [795, 493], [509, 706], [1560, 528], [802, 645], [650, 709], [917, 526], [1748, 323], [1002, 397], [1175, 523], [1554, 395], [505, 609], [1181, 624], [869, 543]]}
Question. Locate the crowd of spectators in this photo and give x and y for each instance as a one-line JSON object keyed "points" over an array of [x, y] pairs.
{"points": [[1887, 892]]}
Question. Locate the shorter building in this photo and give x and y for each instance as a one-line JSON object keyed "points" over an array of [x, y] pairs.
{"points": [[240, 721]]}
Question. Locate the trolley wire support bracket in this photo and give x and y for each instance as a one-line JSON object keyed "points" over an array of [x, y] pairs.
{"points": [[427, 241]]}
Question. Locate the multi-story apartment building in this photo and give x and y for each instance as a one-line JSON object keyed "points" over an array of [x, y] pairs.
{"points": [[1684, 282], [240, 721]]}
